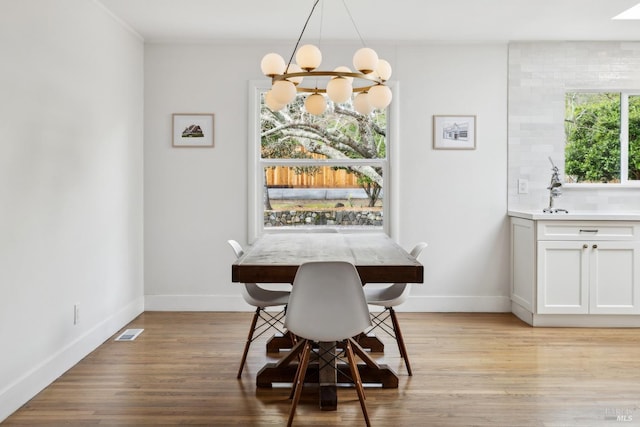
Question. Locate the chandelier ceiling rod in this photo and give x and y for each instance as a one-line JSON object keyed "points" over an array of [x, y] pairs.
{"points": [[301, 34]]}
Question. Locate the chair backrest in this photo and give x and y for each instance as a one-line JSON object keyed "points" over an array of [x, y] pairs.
{"points": [[399, 292], [237, 248], [327, 302], [250, 291], [417, 249]]}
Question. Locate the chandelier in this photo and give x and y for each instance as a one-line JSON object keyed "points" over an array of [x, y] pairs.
{"points": [[367, 81]]}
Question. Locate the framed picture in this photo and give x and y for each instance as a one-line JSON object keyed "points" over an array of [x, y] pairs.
{"points": [[454, 132], [193, 130]]}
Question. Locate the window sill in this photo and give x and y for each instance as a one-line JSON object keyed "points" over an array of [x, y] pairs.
{"points": [[592, 186]]}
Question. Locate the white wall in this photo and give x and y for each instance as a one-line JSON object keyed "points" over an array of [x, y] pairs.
{"points": [[455, 200], [70, 187]]}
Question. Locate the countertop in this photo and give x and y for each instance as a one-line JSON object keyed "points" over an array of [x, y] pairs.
{"points": [[576, 216]]}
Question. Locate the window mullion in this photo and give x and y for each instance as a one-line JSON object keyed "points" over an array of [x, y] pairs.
{"points": [[624, 138], [322, 162]]}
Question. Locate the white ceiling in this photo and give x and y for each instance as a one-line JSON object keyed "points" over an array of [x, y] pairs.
{"points": [[377, 20]]}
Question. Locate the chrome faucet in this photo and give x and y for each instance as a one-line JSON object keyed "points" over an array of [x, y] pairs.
{"points": [[554, 190]]}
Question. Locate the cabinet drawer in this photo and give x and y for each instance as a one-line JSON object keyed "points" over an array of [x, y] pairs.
{"points": [[587, 230]]}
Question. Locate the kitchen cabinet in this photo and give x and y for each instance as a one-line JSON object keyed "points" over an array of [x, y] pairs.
{"points": [[575, 272]]}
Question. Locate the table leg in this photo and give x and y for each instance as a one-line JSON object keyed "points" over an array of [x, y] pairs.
{"points": [[370, 342], [280, 342], [327, 376]]}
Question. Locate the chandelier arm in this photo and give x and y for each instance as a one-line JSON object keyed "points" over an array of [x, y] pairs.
{"points": [[370, 81], [328, 74], [301, 34]]}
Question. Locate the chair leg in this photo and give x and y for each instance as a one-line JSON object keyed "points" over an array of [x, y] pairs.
{"points": [[357, 380], [302, 371], [399, 339], [256, 315], [295, 377]]}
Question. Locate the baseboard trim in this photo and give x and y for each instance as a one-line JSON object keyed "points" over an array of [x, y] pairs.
{"points": [[478, 304], [33, 382], [457, 304], [196, 303], [576, 320]]}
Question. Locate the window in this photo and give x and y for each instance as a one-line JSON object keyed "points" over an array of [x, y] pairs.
{"points": [[602, 137], [317, 171]]}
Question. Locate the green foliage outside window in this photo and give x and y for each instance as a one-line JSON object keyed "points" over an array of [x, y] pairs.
{"points": [[634, 137], [592, 127]]}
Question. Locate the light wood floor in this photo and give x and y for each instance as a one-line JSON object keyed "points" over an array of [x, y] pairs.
{"points": [[469, 370]]}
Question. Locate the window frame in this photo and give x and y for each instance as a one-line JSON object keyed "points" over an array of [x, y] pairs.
{"points": [[255, 165], [623, 137]]}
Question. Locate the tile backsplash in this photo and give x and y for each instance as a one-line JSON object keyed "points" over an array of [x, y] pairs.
{"points": [[539, 75]]}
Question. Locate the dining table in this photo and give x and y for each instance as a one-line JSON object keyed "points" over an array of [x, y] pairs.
{"points": [[275, 257]]}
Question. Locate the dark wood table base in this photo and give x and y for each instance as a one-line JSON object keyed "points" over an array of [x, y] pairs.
{"points": [[271, 374], [283, 372], [279, 342]]}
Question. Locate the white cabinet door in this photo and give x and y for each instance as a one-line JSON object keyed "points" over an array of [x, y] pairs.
{"points": [[614, 282], [563, 277]]}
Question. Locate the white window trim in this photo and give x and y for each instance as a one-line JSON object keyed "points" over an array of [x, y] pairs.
{"points": [[624, 144], [255, 226], [624, 138]]}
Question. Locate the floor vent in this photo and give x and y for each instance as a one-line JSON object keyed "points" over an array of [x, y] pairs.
{"points": [[129, 335]]}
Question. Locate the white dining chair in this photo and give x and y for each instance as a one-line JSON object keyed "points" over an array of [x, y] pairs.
{"points": [[327, 304], [389, 297], [260, 298]]}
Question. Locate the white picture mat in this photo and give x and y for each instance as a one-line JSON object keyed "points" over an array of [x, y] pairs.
{"points": [[183, 121], [454, 132]]}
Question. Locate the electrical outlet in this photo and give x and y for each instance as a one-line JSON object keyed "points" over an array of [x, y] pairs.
{"points": [[76, 314], [523, 186]]}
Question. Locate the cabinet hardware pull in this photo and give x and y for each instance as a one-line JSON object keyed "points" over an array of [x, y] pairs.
{"points": [[588, 231], [595, 246], [585, 246]]}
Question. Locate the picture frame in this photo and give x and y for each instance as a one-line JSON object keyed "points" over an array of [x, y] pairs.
{"points": [[193, 130], [454, 132]]}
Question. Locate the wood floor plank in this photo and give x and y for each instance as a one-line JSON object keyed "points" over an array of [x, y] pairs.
{"points": [[468, 370]]}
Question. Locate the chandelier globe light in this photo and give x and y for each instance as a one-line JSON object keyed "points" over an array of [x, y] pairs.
{"points": [[272, 64], [367, 82], [283, 91], [309, 57], [272, 103], [379, 96], [339, 90], [384, 70], [315, 104], [365, 60], [361, 103]]}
